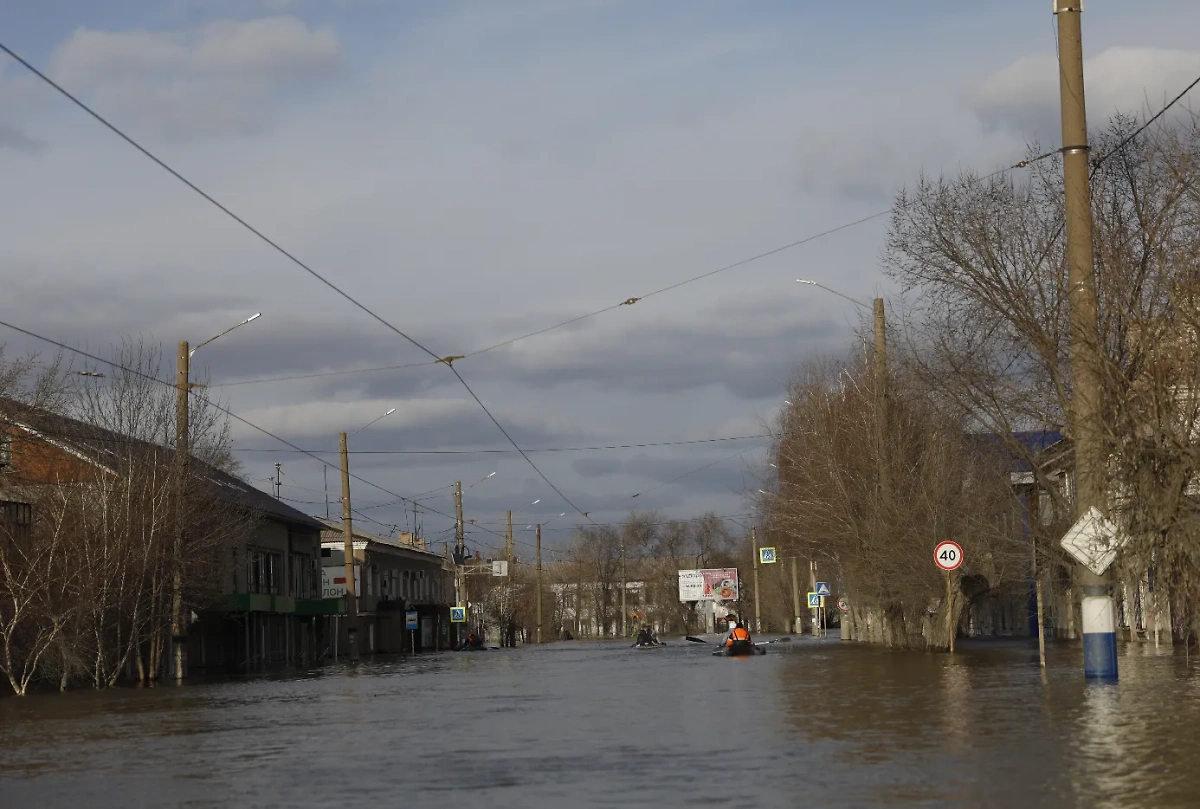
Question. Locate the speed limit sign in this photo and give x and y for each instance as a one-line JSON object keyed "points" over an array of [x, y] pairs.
{"points": [[948, 555]]}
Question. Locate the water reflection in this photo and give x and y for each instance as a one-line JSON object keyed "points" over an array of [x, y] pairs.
{"points": [[583, 724]]}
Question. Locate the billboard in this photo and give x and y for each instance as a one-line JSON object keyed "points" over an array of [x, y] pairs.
{"points": [[717, 584], [333, 581]]}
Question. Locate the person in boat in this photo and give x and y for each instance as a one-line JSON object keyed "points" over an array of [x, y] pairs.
{"points": [[646, 636], [473, 641], [738, 637]]}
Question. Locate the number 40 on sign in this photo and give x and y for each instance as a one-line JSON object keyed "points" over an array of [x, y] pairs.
{"points": [[948, 555]]}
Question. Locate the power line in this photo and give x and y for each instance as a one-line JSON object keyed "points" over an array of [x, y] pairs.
{"points": [[1125, 141], [508, 451], [697, 469], [449, 361], [212, 404]]}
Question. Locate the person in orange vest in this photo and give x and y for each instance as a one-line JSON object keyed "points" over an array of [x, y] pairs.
{"points": [[738, 635]]}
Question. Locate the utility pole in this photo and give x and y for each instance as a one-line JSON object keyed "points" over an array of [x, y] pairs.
{"points": [[538, 586], [325, 476], [348, 553], [1099, 618], [278, 480], [754, 563], [508, 556], [881, 397], [182, 387], [624, 630], [460, 575], [799, 626]]}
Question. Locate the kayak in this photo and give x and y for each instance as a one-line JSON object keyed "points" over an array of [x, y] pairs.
{"points": [[647, 645], [472, 649], [739, 651]]}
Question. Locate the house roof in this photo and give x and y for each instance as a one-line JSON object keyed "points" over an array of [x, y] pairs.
{"points": [[331, 534], [1032, 443], [98, 447]]}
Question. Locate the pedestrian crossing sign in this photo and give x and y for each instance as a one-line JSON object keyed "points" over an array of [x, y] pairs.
{"points": [[766, 556], [823, 589], [458, 615], [814, 601]]}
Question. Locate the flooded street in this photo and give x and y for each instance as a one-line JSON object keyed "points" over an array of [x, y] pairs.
{"points": [[586, 724]]}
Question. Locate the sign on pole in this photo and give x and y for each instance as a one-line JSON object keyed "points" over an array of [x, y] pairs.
{"points": [[814, 601], [411, 621], [1092, 541], [948, 555], [499, 567], [823, 589], [844, 604], [766, 556], [458, 615]]}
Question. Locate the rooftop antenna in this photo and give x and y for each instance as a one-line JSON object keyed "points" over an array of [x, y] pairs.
{"points": [[278, 482], [325, 470]]}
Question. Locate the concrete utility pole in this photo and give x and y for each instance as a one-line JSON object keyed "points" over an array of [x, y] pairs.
{"points": [[182, 387], [1099, 618], [624, 631], [348, 553], [538, 585], [754, 565], [460, 576], [798, 628]]}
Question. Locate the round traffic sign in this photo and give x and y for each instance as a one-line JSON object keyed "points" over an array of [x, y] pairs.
{"points": [[844, 604], [948, 555]]}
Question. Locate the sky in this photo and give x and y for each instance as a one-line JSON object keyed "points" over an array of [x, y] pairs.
{"points": [[475, 171]]}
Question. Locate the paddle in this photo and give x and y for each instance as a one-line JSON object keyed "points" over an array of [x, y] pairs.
{"points": [[777, 640], [695, 640]]}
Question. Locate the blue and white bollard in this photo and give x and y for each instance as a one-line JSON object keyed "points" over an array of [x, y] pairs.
{"points": [[1099, 636]]}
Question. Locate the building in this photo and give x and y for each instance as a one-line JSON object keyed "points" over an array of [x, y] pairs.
{"points": [[270, 610], [391, 577]]}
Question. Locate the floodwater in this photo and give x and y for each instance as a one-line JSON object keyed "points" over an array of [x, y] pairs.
{"points": [[579, 724]]}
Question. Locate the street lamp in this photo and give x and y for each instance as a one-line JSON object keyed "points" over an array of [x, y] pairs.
{"points": [[834, 291], [183, 385], [252, 317], [547, 522], [369, 423], [476, 483]]}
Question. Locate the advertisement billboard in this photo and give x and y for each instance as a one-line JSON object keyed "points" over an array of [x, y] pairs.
{"points": [[714, 584], [333, 581]]}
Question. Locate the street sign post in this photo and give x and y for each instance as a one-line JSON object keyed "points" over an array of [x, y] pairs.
{"points": [[767, 556], [843, 604], [458, 615], [823, 589], [411, 623], [949, 557], [1092, 541]]}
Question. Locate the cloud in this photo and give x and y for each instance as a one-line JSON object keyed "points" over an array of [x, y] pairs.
{"points": [[1024, 96], [219, 78]]}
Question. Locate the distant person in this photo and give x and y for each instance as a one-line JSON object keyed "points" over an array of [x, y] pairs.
{"points": [[473, 641], [738, 637], [646, 636]]}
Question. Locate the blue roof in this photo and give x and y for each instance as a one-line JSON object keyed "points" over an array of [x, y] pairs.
{"points": [[1033, 442]]}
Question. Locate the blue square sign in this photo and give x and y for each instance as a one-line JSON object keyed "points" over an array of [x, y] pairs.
{"points": [[823, 589], [766, 556], [411, 620], [458, 615]]}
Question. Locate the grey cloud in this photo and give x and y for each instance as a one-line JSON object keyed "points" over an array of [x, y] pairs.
{"points": [[220, 78], [1023, 98], [14, 138]]}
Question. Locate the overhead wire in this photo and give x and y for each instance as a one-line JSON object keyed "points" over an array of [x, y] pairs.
{"points": [[215, 405], [447, 360], [509, 451]]}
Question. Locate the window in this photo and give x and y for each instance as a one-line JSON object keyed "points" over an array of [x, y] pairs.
{"points": [[16, 522], [5, 452], [264, 572]]}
